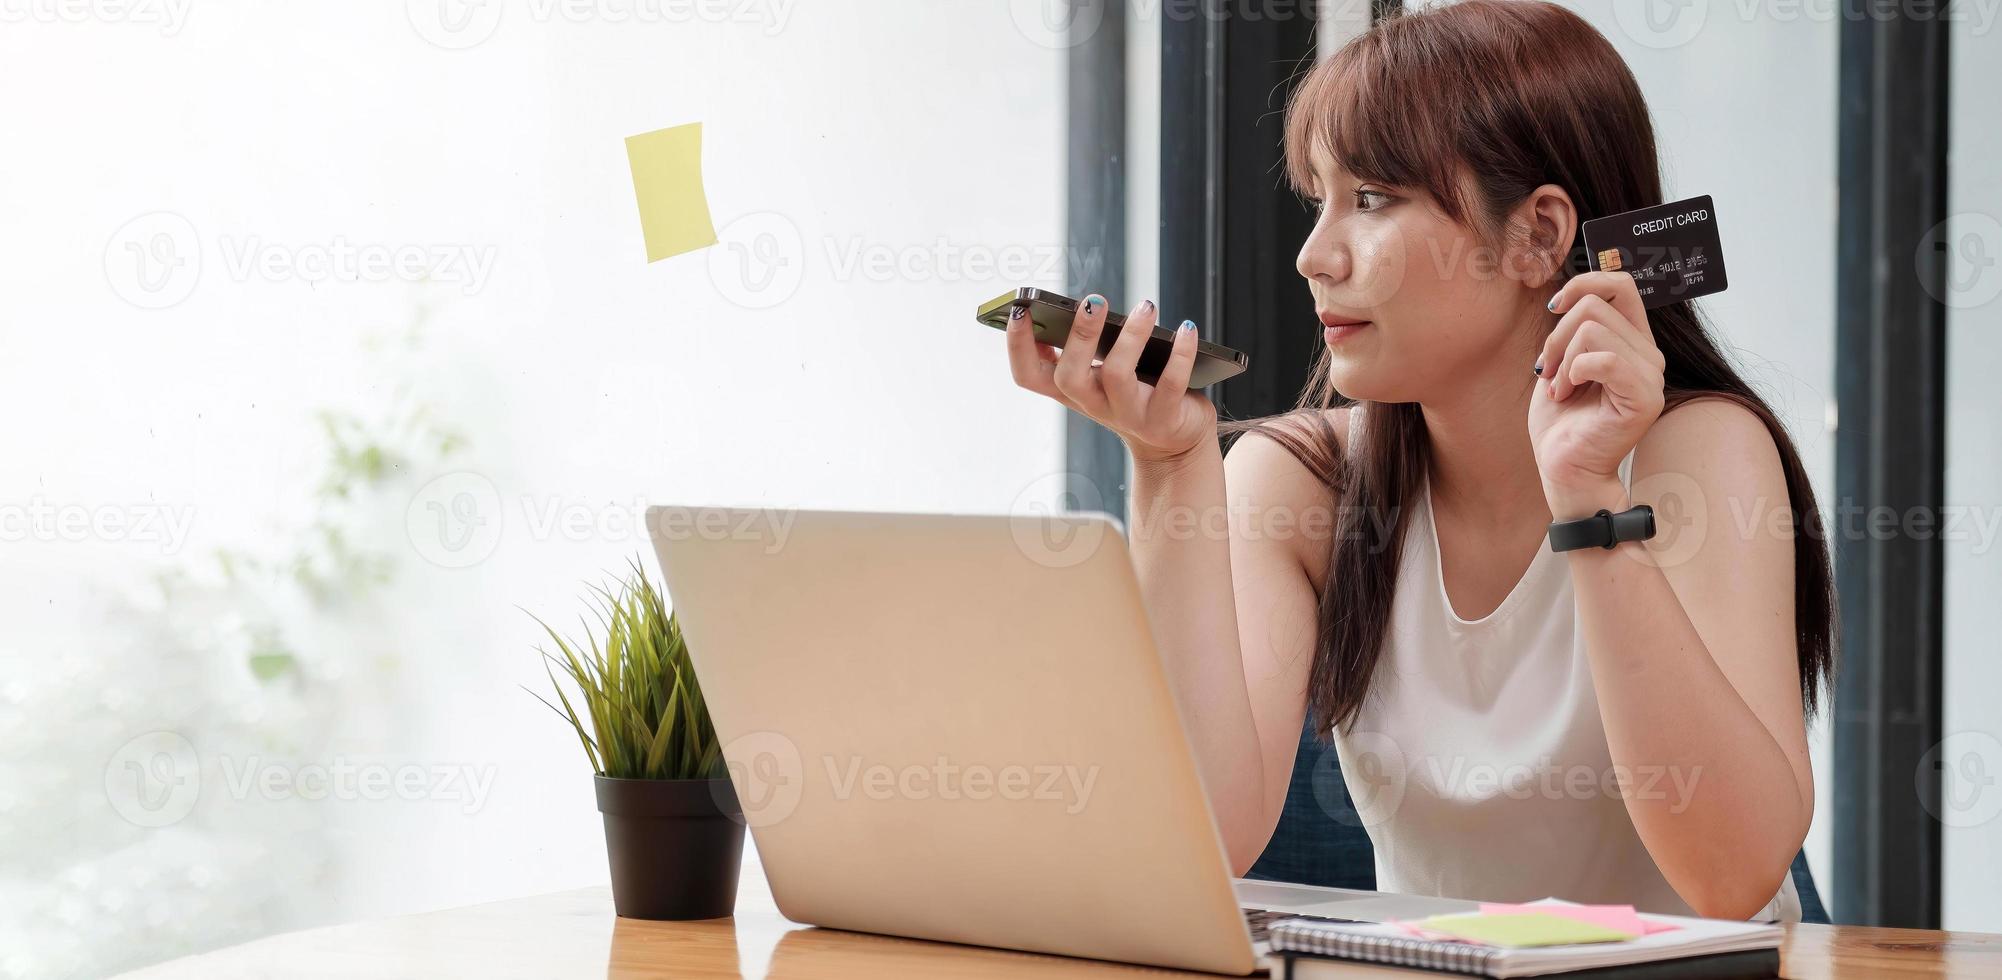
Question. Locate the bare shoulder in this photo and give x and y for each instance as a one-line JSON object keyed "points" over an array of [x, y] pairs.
{"points": [[1715, 454], [1711, 435], [1276, 495], [1272, 453], [1302, 425]]}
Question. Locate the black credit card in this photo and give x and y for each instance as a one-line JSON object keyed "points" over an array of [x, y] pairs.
{"points": [[1672, 250]]}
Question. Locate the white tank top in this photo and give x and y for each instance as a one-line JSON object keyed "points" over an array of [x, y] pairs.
{"points": [[1478, 763]]}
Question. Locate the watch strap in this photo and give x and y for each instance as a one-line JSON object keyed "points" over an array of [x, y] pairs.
{"points": [[1603, 529]]}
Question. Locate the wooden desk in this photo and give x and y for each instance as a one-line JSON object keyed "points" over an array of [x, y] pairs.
{"points": [[575, 934]]}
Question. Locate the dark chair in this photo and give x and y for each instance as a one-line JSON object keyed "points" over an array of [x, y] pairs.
{"points": [[1811, 909], [1321, 841]]}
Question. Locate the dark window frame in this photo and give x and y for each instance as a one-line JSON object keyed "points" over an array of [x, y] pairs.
{"points": [[1890, 452], [1095, 224]]}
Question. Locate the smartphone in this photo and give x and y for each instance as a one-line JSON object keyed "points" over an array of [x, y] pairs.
{"points": [[1052, 313]]}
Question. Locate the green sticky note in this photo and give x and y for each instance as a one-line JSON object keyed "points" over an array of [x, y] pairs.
{"points": [[1523, 929], [667, 178]]}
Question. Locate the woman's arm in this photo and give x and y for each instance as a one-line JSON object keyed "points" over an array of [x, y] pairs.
{"points": [[1231, 607], [1690, 635], [1233, 610], [1692, 645]]}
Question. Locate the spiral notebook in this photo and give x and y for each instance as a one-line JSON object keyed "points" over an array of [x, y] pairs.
{"points": [[1706, 948]]}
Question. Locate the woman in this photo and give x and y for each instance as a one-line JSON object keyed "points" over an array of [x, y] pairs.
{"points": [[1623, 725]]}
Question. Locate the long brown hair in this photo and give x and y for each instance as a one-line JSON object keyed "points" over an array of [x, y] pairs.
{"points": [[1517, 93]]}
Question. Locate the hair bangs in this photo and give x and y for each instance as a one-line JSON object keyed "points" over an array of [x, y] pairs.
{"points": [[1378, 120]]}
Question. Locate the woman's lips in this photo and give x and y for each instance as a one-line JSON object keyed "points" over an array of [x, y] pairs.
{"points": [[1334, 328]]}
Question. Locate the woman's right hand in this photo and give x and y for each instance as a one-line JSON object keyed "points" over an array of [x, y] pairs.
{"points": [[1157, 422]]}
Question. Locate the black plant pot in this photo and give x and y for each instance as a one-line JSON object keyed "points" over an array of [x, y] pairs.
{"points": [[675, 846]]}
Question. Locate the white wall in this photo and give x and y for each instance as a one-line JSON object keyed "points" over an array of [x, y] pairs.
{"points": [[1971, 754], [575, 381]]}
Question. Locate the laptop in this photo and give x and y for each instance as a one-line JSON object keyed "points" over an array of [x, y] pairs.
{"points": [[957, 728]]}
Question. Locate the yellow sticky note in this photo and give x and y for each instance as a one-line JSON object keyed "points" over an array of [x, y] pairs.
{"points": [[667, 177], [1523, 929]]}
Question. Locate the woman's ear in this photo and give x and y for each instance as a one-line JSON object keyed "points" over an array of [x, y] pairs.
{"points": [[1541, 230]]}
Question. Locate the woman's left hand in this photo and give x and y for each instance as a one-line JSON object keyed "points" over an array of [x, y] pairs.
{"points": [[1599, 390]]}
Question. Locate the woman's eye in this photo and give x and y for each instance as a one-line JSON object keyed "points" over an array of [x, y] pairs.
{"points": [[1367, 200]]}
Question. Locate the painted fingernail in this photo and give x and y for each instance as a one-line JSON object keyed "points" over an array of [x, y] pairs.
{"points": [[1552, 305], [1538, 368], [1146, 306], [1093, 302], [1016, 313], [1188, 326]]}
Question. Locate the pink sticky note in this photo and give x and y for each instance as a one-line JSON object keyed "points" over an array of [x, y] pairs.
{"points": [[1620, 917], [1421, 932]]}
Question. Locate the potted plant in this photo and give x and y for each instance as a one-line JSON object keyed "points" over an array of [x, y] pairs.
{"points": [[674, 834]]}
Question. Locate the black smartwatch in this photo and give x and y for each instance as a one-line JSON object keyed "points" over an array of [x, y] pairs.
{"points": [[1603, 529]]}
